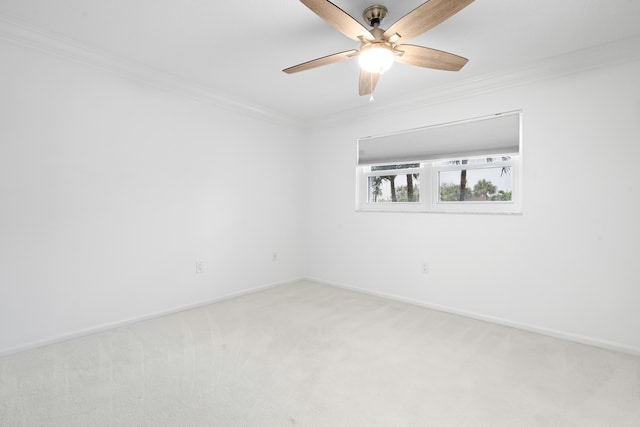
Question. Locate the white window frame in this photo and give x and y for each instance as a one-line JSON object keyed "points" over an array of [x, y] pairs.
{"points": [[512, 206], [429, 190], [363, 192]]}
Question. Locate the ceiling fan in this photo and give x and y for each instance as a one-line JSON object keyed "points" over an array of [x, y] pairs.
{"points": [[378, 47]]}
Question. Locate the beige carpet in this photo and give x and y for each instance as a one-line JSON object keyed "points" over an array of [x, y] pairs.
{"points": [[312, 355]]}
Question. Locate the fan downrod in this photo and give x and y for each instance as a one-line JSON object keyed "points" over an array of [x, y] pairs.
{"points": [[374, 15]]}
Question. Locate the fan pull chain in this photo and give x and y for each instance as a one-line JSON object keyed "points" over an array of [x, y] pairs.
{"points": [[371, 98]]}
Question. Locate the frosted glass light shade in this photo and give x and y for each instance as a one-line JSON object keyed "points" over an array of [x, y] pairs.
{"points": [[375, 58]]}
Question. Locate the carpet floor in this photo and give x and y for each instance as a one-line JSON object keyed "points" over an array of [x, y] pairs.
{"points": [[306, 354]]}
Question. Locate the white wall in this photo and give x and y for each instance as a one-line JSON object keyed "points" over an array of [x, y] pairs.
{"points": [[567, 266], [111, 190]]}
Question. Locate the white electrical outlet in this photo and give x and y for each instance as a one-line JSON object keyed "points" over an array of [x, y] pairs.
{"points": [[199, 267], [425, 268]]}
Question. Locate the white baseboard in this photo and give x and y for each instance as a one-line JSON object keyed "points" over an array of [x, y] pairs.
{"points": [[582, 339], [609, 345], [112, 325]]}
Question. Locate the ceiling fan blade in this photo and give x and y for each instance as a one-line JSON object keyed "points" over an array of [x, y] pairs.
{"points": [[430, 58], [338, 18], [425, 17], [319, 62], [368, 82]]}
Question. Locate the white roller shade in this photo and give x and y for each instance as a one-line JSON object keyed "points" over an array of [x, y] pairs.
{"points": [[488, 135]]}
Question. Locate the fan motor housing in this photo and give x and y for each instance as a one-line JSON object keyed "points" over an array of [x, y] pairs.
{"points": [[374, 15]]}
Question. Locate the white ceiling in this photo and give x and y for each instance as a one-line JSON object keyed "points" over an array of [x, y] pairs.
{"points": [[238, 48]]}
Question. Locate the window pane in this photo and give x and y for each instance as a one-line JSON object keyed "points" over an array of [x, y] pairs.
{"points": [[394, 188], [480, 185]]}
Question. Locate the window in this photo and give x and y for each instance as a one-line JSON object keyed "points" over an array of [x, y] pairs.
{"points": [[394, 183], [469, 166]]}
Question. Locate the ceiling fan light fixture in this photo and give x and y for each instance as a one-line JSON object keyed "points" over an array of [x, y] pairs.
{"points": [[380, 48], [376, 58]]}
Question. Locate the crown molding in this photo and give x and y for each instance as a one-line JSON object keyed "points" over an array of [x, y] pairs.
{"points": [[24, 35], [609, 54]]}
